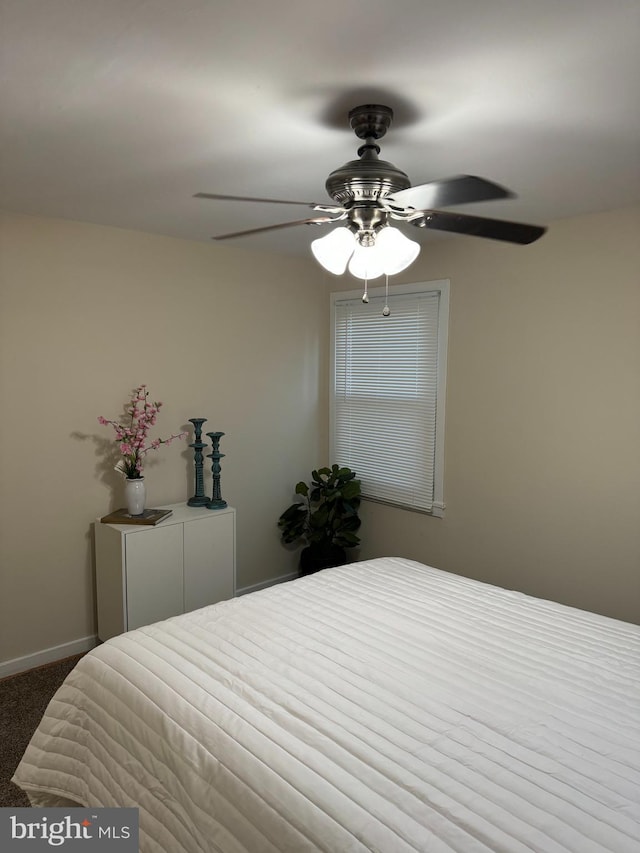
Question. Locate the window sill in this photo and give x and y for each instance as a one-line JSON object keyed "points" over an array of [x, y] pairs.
{"points": [[436, 511]]}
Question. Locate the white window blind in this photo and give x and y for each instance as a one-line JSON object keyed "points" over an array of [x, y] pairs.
{"points": [[387, 390]]}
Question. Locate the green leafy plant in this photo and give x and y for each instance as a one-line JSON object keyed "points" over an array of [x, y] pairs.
{"points": [[328, 512]]}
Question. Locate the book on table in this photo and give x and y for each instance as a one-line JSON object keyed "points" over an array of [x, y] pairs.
{"points": [[149, 517]]}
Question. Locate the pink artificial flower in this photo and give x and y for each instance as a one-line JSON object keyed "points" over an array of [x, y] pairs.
{"points": [[133, 437]]}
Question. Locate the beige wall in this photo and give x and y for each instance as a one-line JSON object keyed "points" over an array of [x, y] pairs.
{"points": [[87, 313], [542, 482], [543, 409]]}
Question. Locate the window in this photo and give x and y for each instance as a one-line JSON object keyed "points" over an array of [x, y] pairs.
{"points": [[388, 390]]}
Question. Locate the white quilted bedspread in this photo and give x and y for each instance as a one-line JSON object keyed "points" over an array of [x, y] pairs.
{"points": [[383, 706]]}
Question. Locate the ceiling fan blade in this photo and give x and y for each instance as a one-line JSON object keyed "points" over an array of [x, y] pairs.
{"points": [[218, 197], [320, 220], [459, 190], [477, 226]]}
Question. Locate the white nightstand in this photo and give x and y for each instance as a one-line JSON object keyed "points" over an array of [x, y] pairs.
{"points": [[145, 574]]}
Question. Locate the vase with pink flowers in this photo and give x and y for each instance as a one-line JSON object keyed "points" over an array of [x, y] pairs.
{"points": [[132, 436]]}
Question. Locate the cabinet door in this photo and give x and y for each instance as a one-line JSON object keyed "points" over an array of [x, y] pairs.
{"points": [[209, 560], [154, 566]]}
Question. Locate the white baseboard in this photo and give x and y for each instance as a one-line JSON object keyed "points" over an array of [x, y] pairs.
{"points": [[77, 647], [66, 650], [264, 584]]}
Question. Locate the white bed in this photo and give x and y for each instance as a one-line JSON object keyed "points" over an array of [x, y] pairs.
{"points": [[382, 706]]}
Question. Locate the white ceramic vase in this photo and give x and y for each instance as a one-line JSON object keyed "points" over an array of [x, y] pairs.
{"points": [[135, 494]]}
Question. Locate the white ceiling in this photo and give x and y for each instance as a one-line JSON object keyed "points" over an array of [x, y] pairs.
{"points": [[118, 111]]}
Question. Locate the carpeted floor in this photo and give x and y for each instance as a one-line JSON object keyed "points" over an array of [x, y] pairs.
{"points": [[23, 699]]}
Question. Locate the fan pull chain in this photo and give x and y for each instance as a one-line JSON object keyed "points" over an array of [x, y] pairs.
{"points": [[365, 295], [386, 311]]}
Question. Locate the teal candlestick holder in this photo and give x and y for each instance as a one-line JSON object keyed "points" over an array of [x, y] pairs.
{"points": [[199, 499], [216, 501]]}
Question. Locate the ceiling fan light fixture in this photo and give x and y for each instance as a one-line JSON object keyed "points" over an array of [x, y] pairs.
{"points": [[396, 250], [334, 250], [369, 191]]}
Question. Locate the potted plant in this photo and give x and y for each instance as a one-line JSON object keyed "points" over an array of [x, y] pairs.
{"points": [[132, 438], [326, 518]]}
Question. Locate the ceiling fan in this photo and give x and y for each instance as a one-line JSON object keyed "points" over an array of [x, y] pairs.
{"points": [[370, 193]]}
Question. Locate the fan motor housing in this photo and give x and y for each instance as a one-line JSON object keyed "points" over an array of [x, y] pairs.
{"points": [[367, 179]]}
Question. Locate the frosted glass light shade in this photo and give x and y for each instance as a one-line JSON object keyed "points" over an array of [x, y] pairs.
{"points": [[334, 250], [366, 262], [391, 253], [396, 251]]}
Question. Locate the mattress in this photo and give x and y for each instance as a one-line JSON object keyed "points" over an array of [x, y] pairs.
{"points": [[382, 706]]}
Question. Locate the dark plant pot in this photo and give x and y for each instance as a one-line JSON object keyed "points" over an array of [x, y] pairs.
{"points": [[322, 555]]}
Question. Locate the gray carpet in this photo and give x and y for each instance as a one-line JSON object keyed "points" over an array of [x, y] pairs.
{"points": [[23, 700]]}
